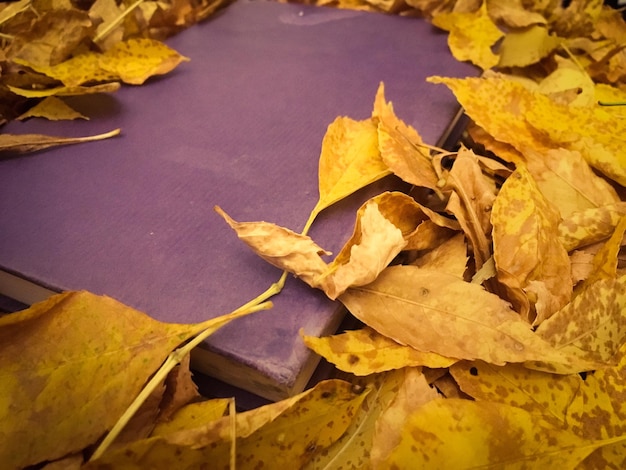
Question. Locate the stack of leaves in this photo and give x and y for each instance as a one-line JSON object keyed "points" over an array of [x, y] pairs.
{"points": [[492, 297], [53, 49]]}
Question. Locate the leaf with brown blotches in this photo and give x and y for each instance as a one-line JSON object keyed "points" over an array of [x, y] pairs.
{"points": [[513, 14], [450, 257], [592, 327], [428, 310], [14, 144], [287, 433], [365, 352], [80, 339], [605, 260], [458, 433], [530, 259], [413, 392], [589, 226]]}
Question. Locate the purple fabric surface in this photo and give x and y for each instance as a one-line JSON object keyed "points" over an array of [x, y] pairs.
{"points": [[239, 126]]}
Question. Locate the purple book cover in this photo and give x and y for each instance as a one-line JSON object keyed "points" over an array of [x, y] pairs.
{"points": [[239, 126]]}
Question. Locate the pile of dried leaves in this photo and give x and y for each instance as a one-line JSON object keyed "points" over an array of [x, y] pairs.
{"points": [[493, 296]]}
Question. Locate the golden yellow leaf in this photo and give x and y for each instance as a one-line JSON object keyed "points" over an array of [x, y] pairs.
{"points": [[365, 352], [567, 181], [610, 456], [526, 47], [352, 450], [75, 348], [74, 72], [54, 109], [568, 76], [136, 60], [463, 434], [588, 226], [401, 147], [192, 415], [66, 90], [549, 395], [529, 256], [413, 392], [605, 260], [471, 36], [428, 310], [592, 326], [598, 135], [349, 160], [287, 434]]}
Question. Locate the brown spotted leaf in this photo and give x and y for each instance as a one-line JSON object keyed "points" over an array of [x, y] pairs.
{"points": [[365, 352], [287, 433], [589, 226], [80, 339], [457, 433]]}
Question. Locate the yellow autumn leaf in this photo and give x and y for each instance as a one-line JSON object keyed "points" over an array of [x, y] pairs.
{"points": [[365, 352], [592, 327], [589, 226], [605, 260], [530, 259], [449, 257], [428, 310], [192, 415], [349, 160], [549, 395], [471, 36], [132, 61], [569, 76], [80, 349], [464, 434], [54, 109], [136, 60], [528, 46], [287, 433], [352, 450], [567, 181], [413, 392], [75, 71], [401, 147], [66, 90]]}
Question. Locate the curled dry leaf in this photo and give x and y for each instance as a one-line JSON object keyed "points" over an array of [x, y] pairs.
{"points": [[11, 145], [589, 226], [54, 109]]}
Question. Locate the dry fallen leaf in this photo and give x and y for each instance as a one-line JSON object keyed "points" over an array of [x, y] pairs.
{"points": [[82, 348], [11, 145]]}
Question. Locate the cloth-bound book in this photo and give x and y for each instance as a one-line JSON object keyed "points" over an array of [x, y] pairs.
{"points": [[239, 126]]}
